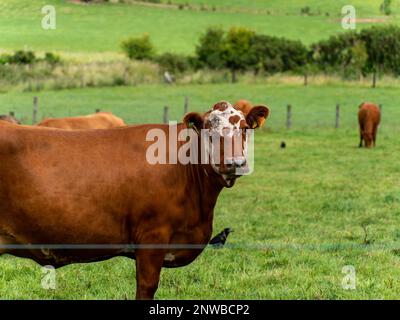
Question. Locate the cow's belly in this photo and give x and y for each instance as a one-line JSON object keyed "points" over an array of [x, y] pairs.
{"points": [[58, 254], [86, 233], [184, 250], [181, 258], [52, 235], [192, 243]]}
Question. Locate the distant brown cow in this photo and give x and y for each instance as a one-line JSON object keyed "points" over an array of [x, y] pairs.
{"points": [[9, 119], [100, 120], [369, 117]]}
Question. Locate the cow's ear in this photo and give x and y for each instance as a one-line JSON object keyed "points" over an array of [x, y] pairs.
{"points": [[193, 120], [257, 116]]}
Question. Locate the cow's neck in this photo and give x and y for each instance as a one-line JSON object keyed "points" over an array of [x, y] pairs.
{"points": [[204, 184], [207, 185]]}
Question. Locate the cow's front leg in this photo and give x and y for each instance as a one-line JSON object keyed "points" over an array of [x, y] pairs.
{"points": [[148, 268]]}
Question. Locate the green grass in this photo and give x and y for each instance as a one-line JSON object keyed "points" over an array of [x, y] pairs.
{"points": [[292, 7], [101, 27], [298, 219]]}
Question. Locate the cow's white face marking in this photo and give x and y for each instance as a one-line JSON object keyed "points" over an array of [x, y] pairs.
{"points": [[225, 119], [225, 125]]}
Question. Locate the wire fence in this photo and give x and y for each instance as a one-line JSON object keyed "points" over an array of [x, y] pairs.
{"points": [[289, 117]]}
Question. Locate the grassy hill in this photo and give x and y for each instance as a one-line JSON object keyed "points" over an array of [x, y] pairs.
{"points": [[101, 27]]}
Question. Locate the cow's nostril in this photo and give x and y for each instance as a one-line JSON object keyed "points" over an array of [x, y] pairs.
{"points": [[240, 162]]}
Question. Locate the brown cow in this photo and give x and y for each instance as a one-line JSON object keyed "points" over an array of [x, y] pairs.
{"points": [[369, 117], [9, 119], [90, 195], [100, 120]]}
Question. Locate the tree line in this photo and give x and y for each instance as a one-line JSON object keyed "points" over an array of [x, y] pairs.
{"points": [[351, 54]]}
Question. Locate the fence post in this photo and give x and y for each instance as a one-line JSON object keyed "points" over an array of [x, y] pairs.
{"points": [[289, 116], [305, 79], [337, 116], [165, 117], [186, 105], [35, 109]]}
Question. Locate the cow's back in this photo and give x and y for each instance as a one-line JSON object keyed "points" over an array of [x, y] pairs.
{"points": [[101, 120], [369, 114]]}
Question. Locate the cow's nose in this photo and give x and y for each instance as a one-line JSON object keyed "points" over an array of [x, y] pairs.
{"points": [[239, 162]]}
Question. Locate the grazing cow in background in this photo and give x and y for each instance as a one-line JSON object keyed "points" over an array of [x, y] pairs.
{"points": [[98, 188], [9, 119], [100, 120], [369, 117]]}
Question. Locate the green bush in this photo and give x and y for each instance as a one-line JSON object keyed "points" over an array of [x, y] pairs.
{"points": [[138, 48], [373, 49], [4, 59], [28, 58], [241, 49], [237, 53], [383, 48], [51, 58], [385, 7], [278, 54], [174, 63], [231, 50], [335, 52], [305, 10], [22, 57], [209, 51]]}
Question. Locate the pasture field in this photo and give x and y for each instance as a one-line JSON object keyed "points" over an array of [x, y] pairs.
{"points": [[305, 213], [291, 7], [101, 27]]}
